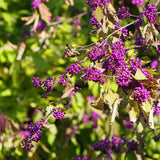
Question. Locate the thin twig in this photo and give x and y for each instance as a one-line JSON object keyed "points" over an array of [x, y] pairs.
{"points": [[52, 111], [106, 39], [98, 156], [145, 45], [69, 19], [157, 2]]}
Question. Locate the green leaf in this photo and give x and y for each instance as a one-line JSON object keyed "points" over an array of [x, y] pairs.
{"points": [[40, 62], [4, 5]]}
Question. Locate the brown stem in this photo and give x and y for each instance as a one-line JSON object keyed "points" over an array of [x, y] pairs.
{"points": [[69, 19]]}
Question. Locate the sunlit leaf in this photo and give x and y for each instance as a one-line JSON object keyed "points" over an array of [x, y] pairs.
{"points": [[147, 106], [133, 113], [140, 127], [139, 75], [150, 119]]}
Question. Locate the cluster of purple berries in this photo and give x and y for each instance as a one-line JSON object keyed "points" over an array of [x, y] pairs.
{"points": [[137, 2], [98, 52], [140, 93], [139, 41], [47, 84], [150, 12], [117, 65], [95, 3], [35, 132], [138, 23], [156, 138], [58, 114], [124, 30], [94, 22], [123, 12], [135, 64], [105, 145], [74, 69], [156, 107], [94, 75]]}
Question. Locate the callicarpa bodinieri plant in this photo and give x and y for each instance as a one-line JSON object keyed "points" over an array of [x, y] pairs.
{"points": [[123, 63]]}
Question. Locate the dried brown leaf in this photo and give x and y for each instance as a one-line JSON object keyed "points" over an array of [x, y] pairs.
{"points": [[12, 45], [21, 49], [68, 52], [44, 12], [69, 2], [114, 110], [68, 90], [111, 13], [150, 119]]}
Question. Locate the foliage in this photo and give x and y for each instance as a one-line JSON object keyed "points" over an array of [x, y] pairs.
{"points": [[71, 88]]}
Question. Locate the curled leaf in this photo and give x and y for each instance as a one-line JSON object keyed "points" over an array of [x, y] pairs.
{"points": [[21, 49], [115, 110], [68, 52], [150, 119], [99, 103], [111, 13], [44, 12], [69, 2]]}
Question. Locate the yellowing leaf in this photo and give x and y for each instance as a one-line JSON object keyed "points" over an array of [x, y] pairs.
{"points": [[110, 98], [139, 75], [146, 107], [133, 114], [99, 14], [140, 127]]}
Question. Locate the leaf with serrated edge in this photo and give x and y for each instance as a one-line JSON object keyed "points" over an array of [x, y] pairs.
{"points": [[99, 14]]}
